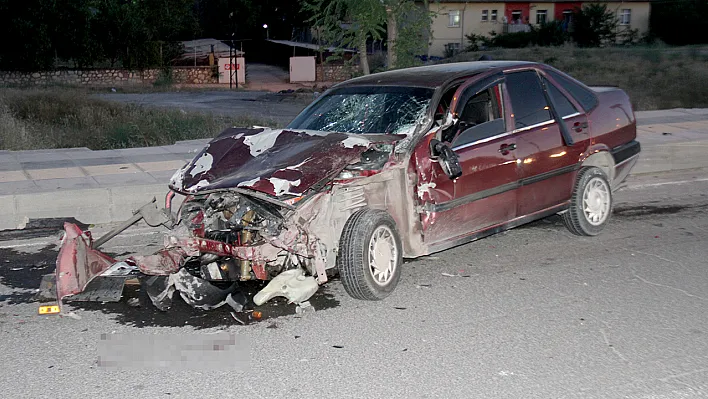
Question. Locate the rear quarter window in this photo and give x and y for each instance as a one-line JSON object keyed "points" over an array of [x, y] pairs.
{"points": [[582, 94]]}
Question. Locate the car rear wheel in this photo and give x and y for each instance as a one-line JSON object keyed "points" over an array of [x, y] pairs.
{"points": [[370, 255], [591, 204]]}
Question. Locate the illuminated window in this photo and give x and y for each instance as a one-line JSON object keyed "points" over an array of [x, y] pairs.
{"points": [[454, 19], [625, 16]]}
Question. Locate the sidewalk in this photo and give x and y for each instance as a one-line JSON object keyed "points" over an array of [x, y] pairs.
{"points": [[105, 186]]}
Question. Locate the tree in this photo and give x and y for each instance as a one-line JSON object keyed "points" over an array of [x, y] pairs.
{"points": [[679, 22], [352, 23], [594, 25], [26, 35]]}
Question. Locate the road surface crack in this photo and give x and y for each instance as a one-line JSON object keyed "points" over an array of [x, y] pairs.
{"points": [[670, 287]]}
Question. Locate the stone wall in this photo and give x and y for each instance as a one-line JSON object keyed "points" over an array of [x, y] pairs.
{"points": [[107, 77], [334, 73]]}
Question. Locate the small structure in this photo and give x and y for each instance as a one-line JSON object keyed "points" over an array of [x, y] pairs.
{"points": [[197, 52], [306, 57]]}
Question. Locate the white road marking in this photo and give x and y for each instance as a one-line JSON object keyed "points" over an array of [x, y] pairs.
{"points": [[666, 183]]}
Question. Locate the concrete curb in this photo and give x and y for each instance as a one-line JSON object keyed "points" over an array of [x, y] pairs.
{"points": [[99, 205], [673, 140]]}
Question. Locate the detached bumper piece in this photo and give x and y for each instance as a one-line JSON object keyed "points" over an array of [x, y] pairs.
{"points": [[194, 291]]}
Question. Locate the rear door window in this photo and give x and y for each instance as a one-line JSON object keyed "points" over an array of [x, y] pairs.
{"points": [[528, 102], [563, 105], [583, 95]]}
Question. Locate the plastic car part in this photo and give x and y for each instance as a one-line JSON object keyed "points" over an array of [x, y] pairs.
{"points": [[291, 284]]}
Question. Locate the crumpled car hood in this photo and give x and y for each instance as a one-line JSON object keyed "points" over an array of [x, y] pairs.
{"points": [[273, 161]]}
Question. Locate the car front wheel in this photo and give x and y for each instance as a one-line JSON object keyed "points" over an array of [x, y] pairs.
{"points": [[370, 255], [591, 204]]}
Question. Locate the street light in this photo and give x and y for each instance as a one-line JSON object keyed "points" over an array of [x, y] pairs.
{"points": [[265, 26]]}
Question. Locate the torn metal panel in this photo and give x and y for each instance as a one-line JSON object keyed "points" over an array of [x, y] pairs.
{"points": [[101, 289], [77, 263], [163, 263]]}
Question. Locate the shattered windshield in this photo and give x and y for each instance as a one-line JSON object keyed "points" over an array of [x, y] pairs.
{"points": [[382, 109]]}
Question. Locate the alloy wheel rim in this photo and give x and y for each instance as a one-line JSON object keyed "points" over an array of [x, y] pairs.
{"points": [[383, 255], [596, 201]]}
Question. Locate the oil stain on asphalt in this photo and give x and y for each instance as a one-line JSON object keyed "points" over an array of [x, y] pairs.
{"points": [[181, 314], [23, 271]]}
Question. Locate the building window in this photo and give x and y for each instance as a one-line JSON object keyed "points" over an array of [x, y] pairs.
{"points": [[453, 47], [516, 17], [541, 16], [485, 15], [568, 16], [454, 19], [625, 16], [494, 15]]}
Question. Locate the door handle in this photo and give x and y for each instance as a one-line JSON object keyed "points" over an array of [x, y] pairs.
{"points": [[579, 126], [505, 148]]}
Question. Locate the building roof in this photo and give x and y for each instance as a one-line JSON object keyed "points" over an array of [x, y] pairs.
{"points": [[201, 48], [431, 76], [309, 46]]}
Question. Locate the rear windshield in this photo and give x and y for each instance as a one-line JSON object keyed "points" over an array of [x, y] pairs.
{"points": [[384, 109]]}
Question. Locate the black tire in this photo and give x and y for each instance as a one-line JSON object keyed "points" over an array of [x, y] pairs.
{"points": [[355, 268], [576, 219]]}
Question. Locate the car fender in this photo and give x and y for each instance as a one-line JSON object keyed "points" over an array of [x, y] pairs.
{"points": [[599, 156]]}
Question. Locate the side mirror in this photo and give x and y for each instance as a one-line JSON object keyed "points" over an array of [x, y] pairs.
{"points": [[447, 158]]}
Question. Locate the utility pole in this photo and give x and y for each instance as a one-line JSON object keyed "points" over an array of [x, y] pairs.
{"points": [[392, 31]]}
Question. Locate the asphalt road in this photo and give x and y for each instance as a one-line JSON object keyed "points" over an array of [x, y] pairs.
{"points": [[281, 108], [531, 313]]}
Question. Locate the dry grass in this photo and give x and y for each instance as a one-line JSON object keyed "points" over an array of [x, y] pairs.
{"points": [[64, 118], [658, 77]]}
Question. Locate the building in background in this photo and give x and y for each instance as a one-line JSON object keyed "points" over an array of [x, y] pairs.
{"points": [[453, 20]]}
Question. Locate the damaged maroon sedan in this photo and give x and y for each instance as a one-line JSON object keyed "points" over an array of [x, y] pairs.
{"points": [[388, 166]]}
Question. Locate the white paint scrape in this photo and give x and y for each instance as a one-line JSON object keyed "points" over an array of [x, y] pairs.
{"points": [[282, 186], [258, 143], [203, 164], [425, 188], [177, 178], [249, 183], [200, 184], [352, 142]]}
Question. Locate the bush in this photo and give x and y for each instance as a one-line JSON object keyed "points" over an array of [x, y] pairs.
{"points": [[549, 34], [513, 40], [65, 118]]}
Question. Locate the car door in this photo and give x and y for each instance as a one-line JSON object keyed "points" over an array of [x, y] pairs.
{"points": [[547, 152], [484, 195]]}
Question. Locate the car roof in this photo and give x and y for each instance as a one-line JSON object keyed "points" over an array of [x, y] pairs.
{"points": [[431, 76]]}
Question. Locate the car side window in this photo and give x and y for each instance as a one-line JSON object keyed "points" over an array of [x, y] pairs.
{"points": [[563, 105], [527, 99], [481, 117]]}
